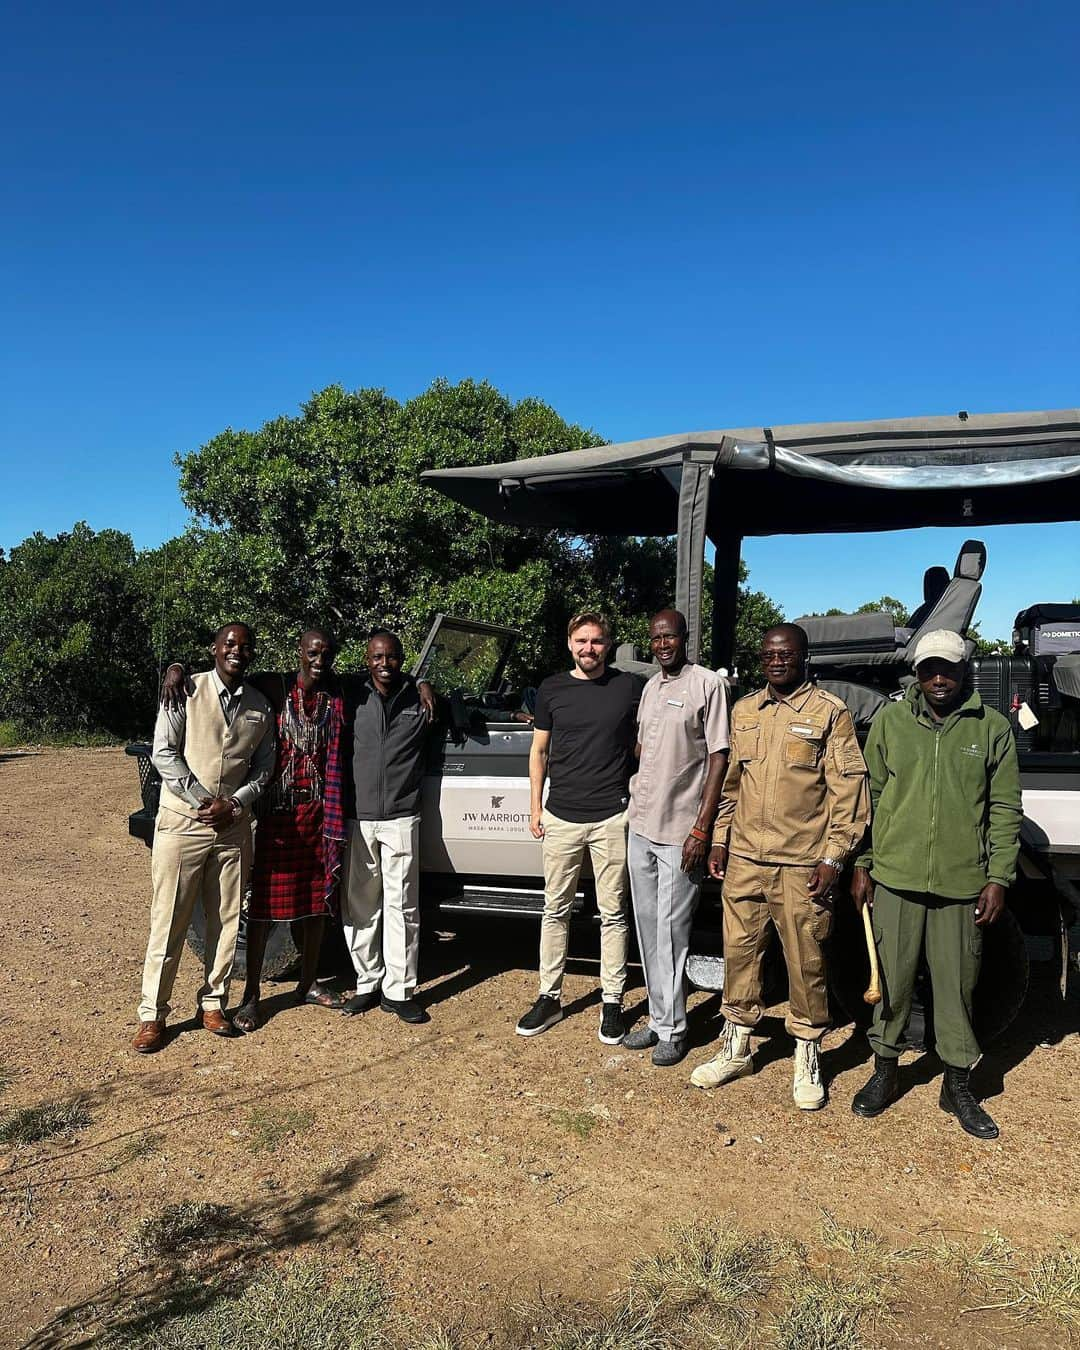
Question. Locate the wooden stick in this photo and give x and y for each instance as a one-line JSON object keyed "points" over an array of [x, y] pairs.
{"points": [[873, 994]]}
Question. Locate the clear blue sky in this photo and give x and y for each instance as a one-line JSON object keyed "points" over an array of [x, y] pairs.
{"points": [[657, 219]]}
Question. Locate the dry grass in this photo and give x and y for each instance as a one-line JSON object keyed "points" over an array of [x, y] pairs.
{"points": [[1051, 1290], [298, 1308], [272, 1125], [32, 1124], [581, 1123], [441, 1338], [988, 1262], [840, 1237], [825, 1311], [138, 1147], [1048, 1292], [713, 1264], [181, 1229], [621, 1327]]}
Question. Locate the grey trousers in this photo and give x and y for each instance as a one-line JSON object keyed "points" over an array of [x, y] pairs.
{"points": [[665, 899]]}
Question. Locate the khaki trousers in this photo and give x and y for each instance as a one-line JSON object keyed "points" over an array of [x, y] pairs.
{"points": [[754, 895], [564, 847], [380, 904], [194, 862]]}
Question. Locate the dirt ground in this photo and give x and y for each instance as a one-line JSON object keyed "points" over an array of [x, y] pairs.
{"points": [[454, 1154]]}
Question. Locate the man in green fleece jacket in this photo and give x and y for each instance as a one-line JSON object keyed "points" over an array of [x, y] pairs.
{"points": [[945, 787]]}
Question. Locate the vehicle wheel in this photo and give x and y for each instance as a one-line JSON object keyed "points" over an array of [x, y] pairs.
{"points": [[280, 949]]}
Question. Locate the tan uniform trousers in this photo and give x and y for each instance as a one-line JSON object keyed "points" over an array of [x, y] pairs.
{"points": [[754, 894], [565, 844], [194, 862]]}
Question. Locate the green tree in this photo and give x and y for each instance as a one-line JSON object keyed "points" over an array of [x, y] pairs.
{"points": [[887, 604], [322, 517], [754, 613], [75, 651]]}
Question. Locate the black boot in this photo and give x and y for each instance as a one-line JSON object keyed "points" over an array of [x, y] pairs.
{"points": [[880, 1092], [956, 1098]]}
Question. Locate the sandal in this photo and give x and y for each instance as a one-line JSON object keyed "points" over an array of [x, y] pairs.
{"points": [[246, 1018], [318, 996]]}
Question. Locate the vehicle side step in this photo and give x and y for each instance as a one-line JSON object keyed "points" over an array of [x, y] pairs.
{"points": [[492, 899]]}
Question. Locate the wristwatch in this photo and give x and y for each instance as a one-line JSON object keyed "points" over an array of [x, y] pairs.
{"points": [[237, 808], [833, 862]]}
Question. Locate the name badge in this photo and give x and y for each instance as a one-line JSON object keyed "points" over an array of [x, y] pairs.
{"points": [[253, 717], [803, 731], [675, 702]]}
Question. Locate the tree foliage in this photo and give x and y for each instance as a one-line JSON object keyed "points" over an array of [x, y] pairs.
{"points": [[321, 518], [75, 650]]}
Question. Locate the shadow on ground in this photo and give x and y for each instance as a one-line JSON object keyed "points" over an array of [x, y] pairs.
{"points": [[229, 1252]]}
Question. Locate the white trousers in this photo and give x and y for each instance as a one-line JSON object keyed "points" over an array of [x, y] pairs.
{"points": [[380, 907]]}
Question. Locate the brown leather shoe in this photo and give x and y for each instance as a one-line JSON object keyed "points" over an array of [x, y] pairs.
{"points": [[213, 1019], [150, 1037]]}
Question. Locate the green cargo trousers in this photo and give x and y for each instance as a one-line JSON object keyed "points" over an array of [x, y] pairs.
{"points": [[953, 952]]}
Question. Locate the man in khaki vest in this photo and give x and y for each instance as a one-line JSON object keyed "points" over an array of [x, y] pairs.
{"points": [[215, 755]]}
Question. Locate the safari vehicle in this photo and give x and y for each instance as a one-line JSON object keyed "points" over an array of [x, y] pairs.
{"points": [[970, 470]]}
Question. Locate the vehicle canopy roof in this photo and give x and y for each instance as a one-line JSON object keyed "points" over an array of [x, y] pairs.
{"points": [[815, 478], [964, 469]]}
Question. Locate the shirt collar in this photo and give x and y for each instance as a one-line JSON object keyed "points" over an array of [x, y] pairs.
{"points": [[221, 686], [685, 669], [796, 699]]}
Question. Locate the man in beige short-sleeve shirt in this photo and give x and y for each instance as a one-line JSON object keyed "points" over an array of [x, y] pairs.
{"points": [[682, 748]]}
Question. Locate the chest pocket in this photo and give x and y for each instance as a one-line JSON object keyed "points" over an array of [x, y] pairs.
{"points": [[804, 739], [746, 739]]}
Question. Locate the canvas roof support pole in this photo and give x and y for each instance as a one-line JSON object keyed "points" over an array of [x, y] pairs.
{"points": [[695, 478], [725, 599]]}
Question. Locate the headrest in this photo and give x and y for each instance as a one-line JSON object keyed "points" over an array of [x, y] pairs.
{"points": [[934, 581], [971, 560]]}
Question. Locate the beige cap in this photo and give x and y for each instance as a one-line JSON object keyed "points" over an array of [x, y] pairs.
{"points": [[943, 644]]}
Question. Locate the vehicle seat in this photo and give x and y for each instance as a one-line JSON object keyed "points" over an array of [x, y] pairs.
{"points": [[934, 581], [956, 605], [844, 641], [628, 658], [863, 701]]}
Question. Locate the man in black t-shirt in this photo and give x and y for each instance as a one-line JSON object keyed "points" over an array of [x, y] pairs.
{"points": [[583, 740]]}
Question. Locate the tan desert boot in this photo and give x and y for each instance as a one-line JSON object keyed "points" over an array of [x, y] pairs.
{"points": [[808, 1090], [733, 1060]]}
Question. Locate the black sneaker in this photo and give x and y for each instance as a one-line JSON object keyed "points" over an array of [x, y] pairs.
{"points": [[611, 1024], [361, 1003], [406, 1008], [544, 1013]]}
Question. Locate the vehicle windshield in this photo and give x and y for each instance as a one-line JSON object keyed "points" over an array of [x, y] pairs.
{"points": [[464, 654]]}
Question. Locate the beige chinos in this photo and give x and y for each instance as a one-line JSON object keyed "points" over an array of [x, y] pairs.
{"points": [[564, 846], [194, 863]]}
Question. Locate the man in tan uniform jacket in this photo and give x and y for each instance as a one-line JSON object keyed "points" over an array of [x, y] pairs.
{"points": [[794, 808], [215, 755]]}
